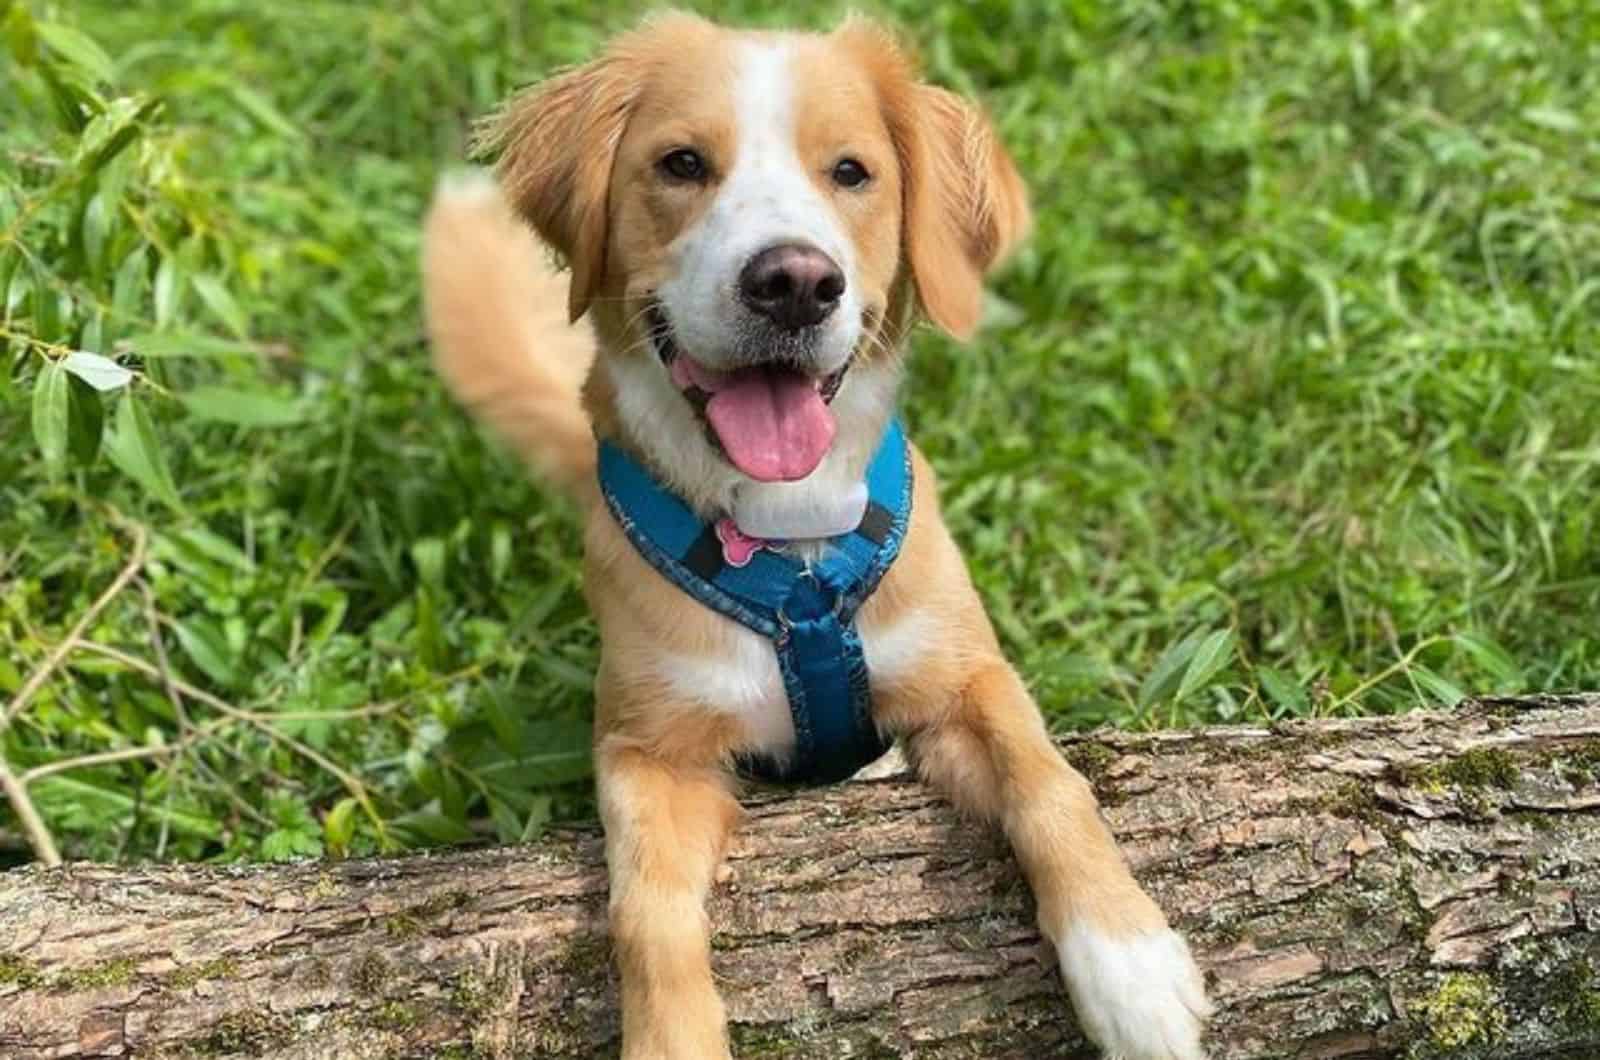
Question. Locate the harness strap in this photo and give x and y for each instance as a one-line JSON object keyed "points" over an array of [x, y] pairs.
{"points": [[807, 611]]}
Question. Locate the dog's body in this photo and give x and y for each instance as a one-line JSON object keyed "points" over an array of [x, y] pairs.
{"points": [[830, 198]]}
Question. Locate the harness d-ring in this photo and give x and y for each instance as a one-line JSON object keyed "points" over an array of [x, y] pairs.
{"points": [[786, 623]]}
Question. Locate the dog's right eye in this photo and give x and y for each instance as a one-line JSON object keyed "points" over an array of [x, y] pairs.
{"points": [[683, 164]]}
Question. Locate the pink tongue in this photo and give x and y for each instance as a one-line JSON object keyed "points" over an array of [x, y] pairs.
{"points": [[774, 426]]}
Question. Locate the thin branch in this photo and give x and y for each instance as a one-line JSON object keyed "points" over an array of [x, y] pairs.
{"points": [[64, 648], [1401, 666], [33, 826], [162, 662], [352, 783], [152, 619], [16, 790], [126, 754]]}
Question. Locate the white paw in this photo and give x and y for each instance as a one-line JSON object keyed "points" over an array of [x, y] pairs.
{"points": [[1139, 998]]}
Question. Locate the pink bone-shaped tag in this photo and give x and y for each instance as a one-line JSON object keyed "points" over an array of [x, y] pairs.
{"points": [[738, 547]]}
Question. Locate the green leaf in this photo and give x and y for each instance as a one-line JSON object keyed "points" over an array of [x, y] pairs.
{"points": [[109, 133], [92, 337], [334, 604], [102, 373], [1553, 118], [109, 804], [499, 552], [216, 547], [538, 816], [429, 556], [46, 308], [1214, 653], [1446, 693], [185, 344], [51, 414], [261, 109], [167, 291], [96, 232], [1168, 670], [77, 49], [133, 447], [72, 97], [220, 301], [1495, 660], [430, 828], [428, 637], [17, 288], [247, 408], [22, 38], [286, 844], [339, 826], [206, 646], [86, 422], [1284, 692], [127, 289]]}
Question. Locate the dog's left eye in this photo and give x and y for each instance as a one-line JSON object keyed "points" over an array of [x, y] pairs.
{"points": [[684, 164], [848, 173]]}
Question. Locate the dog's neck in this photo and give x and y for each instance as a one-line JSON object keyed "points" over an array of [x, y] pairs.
{"points": [[654, 422]]}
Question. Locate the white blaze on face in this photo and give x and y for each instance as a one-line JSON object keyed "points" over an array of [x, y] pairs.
{"points": [[768, 197]]}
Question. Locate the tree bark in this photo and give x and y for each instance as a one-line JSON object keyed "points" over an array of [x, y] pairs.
{"points": [[1425, 885]]}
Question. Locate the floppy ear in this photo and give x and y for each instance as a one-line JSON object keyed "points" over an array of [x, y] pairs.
{"points": [[965, 204], [556, 143]]}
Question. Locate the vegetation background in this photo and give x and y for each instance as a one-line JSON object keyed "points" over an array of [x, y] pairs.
{"points": [[1289, 407]]}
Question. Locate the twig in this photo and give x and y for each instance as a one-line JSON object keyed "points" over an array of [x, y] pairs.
{"points": [[178, 709], [33, 826], [1402, 666], [36, 679], [44, 844], [352, 783], [126, 754], [7, 560], [162, 662]]}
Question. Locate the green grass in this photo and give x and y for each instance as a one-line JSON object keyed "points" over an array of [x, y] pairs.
{"points": [[1289, 407]]}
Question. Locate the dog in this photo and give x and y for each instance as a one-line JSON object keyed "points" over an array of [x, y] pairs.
{"points": [[751, 222]]}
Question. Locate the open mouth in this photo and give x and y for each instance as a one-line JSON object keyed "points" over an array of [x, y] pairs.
{"points": [[772, 421]]}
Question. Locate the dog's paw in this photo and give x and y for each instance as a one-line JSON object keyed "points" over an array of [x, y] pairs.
{"points": [[1139, 998]]}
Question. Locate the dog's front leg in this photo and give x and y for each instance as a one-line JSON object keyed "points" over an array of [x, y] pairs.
{"points": [[1136, 989], [666, 826]]}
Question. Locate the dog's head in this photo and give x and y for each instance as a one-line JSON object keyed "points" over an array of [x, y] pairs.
{"points": [[751, 219]]}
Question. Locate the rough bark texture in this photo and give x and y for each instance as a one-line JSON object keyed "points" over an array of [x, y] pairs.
{"points": [[1426, 885]]}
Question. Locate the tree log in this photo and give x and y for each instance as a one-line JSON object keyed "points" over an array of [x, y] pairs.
{"points": [[1423, 885]]}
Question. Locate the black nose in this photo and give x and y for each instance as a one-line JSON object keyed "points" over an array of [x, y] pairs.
{"points": [[793, 285]]}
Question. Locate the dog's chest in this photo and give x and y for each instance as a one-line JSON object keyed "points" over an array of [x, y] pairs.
{"points": [[743, 678]]}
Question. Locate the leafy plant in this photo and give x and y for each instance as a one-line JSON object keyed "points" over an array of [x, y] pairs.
{"points": [[1286, 407]]}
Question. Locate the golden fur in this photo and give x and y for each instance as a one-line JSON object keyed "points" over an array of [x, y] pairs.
{"points": [[575, 161]]}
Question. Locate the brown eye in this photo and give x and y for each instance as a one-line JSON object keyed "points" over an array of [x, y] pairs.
{"points": [[684, 164], [848, 173]]}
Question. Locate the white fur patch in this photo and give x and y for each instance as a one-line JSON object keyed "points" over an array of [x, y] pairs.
{"points": [[1140, 998], [744, 682], [894, 650]]}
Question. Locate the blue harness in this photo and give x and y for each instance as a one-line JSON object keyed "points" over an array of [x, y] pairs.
{"points": [[808, 612]]}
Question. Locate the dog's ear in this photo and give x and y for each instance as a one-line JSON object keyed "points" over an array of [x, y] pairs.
{"points": [[556, 143], [965, 205]]}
